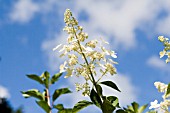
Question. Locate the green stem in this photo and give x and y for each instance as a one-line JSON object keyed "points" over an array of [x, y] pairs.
{"points": [[84, 57], [93, 80], [48, 98]]}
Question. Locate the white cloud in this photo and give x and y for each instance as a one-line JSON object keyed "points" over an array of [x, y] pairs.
{"points": [[110, 20], [116, 20], [4, 92], [163, 26], [23, 40], [158, 63], [23, 11], [53, 56]]}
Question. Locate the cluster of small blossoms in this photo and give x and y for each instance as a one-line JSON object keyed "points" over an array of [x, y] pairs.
{"points": [[85, 87], [165, 51], [162, 106], [84, 57], [161, 87]]}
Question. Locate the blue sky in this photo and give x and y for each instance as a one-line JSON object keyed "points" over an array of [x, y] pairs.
{"points": [[29, 29]]}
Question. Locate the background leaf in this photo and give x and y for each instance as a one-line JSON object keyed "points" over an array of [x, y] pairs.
{"points": [[99, 89], [129, 108], [36, 78], [142, 108], [33, 93], [121, 111], [80, 105], [59, 92], [59, 106], [110, 84], [46, 79], [66, 111], [55, 77], [168, 90], [135, 107], [44, 106]]}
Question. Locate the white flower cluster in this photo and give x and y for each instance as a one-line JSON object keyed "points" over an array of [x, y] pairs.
{"points": [[165, 51], [163, 88], [162, 106], [91, 53], [85, 87]]}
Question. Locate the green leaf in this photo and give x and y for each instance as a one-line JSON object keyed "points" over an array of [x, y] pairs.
{"points": [[110, 84], [55, 77], [69, 110], [46, 79], [121, 111], [152, 111], [59, 106], [59, 92], [142, 108], [168, 90], [135, 107], [19, 110], [36, 78], [109, 104], [107, 107], [33, 93], [80, 105], [95, 98], [114, 101], [61, 109], [44, 105], [130, 108], [104, 97], [99, 89]]}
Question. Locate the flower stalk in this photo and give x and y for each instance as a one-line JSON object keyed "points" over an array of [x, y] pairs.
{"points": [[93, 80], [81, 51]]}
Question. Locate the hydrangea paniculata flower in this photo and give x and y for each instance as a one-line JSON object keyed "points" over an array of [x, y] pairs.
{"points": [[163, 105], [84, 57], [166, 49]]}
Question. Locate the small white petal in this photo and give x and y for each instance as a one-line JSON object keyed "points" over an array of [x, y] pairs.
{"points": [[89, 49], [154, 105], [69, 73], [57, 47], [104, 41], [114, 54]]}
